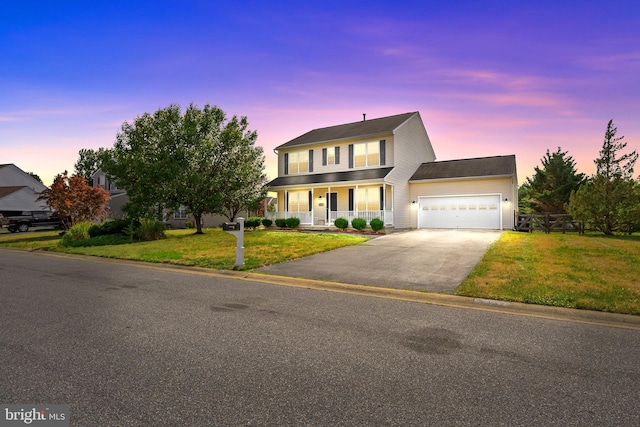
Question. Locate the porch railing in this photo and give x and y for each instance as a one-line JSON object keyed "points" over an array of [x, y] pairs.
{"points": [[306, 218], [350, 215]]}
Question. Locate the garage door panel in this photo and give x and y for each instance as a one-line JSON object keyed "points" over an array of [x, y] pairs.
{"points": [[479, 212]]}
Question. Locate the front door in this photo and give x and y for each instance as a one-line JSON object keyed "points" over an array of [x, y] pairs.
{"points": [[332, 205]]}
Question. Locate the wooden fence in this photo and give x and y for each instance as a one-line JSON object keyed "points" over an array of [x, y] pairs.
{"points": [[548, 223]]}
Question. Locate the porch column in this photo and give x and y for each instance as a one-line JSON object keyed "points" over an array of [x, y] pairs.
{"points": [[355, 203], [384, 202], [393, 212], [327, 211], [286, 203]]}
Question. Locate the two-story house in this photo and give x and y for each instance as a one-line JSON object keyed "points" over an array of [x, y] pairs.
{"points": [[385, 168]]}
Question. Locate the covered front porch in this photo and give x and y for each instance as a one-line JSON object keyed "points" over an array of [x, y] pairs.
{"points": [[322, 205]]}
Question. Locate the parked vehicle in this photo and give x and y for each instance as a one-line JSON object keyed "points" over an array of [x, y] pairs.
{"points": [[29, 219]]}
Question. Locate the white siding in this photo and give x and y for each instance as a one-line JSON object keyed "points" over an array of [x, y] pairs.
{"points": [[411, 148], [24, 199], [344, 154]]}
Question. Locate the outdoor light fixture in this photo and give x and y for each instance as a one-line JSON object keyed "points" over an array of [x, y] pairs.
{"points": [[413, 203], [320, 196], [506, 200]]}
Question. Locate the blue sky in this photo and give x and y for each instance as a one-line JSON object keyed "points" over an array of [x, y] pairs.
{"points": [[488, 78]]}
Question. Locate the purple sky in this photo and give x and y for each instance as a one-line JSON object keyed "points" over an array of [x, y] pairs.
{"points": [[488, 78]]}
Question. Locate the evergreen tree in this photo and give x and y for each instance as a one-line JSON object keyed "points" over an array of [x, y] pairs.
{"points": [[608, 164], [551, 186], [610, 201]]}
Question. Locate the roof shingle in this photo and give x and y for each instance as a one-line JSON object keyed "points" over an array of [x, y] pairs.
{"points": [[466, 168], [378, 126], [331, 177]]}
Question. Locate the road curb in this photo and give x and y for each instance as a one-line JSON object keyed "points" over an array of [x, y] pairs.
{"points": [[627, 321]]}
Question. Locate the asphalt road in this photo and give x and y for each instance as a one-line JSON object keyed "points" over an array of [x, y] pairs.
{"points": [[137, 346]]}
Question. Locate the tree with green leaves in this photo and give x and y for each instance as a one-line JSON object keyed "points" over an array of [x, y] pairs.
{"points": [[88, 162], [198, 159], [551, 186], [610, 201], [35, 176]]}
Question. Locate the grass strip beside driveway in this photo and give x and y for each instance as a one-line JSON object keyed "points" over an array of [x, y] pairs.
{"points": [[213, 249], [592, 272]]}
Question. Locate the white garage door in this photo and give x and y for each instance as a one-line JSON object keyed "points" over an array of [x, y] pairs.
{"points": [[460, 212]]}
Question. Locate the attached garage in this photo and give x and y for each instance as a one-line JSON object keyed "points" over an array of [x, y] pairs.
{"points": [[470, 212], [479, 193]]}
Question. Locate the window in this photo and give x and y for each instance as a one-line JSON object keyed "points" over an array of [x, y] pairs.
{"points": [[298, 201], [367, 154], [298, 162], [369, 199], [181, 213], [330, 156]]}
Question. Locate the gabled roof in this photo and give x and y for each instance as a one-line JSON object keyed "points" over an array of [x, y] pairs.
{"points": [[466, 168], [383, 125], [5, 191], [325, 178]]}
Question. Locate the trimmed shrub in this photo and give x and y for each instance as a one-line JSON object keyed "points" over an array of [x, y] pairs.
{"points": [[150, 229], [110, 226], [189, 224], [267, 222], [103, 240], [358, 223], [281, 222], [78, 232], [252, 222], [293, 222], [341, 223], [376, 224]]}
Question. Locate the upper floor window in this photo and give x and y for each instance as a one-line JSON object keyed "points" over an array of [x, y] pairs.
{"points": [[331, 156], [367, 154], [298, 162]]}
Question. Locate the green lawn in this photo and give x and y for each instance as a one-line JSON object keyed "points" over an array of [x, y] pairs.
{"points": [[566, 270], [213, 249]]}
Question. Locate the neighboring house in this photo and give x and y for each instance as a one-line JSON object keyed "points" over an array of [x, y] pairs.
{"points": [[385, 168], [19, 191], [117, 197]]}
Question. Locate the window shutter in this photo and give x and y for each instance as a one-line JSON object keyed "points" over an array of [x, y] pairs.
{"points": [[382, 152], [382, 198], [310, 201], [286, 201], [310, 160], [350, 156], [337, 155], [351, 199], [286, 165], [324, 157]]}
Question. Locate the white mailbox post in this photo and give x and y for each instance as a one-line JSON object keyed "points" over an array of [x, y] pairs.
{"points": [[237, 229]]}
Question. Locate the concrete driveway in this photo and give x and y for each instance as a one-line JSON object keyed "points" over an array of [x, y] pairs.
{"points": [[430, 260]]}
